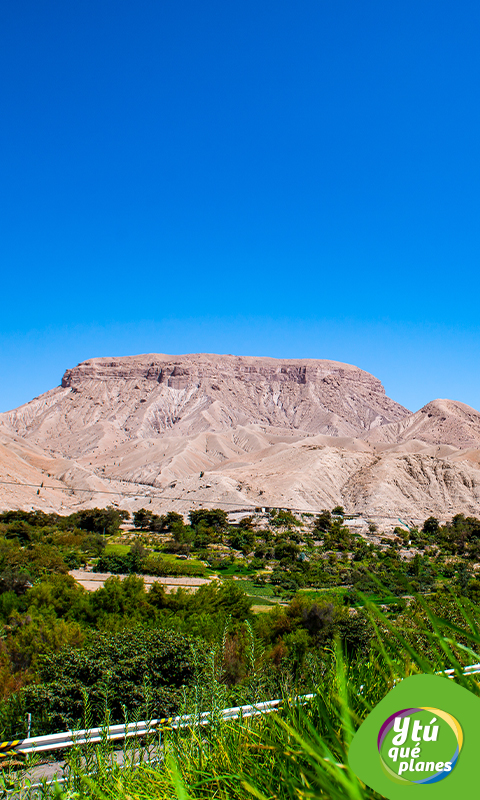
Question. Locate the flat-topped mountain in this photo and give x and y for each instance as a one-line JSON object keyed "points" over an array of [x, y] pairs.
{"points": [[302, 433], [105, 401]]}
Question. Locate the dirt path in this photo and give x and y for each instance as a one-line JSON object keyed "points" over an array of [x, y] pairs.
{"points": [[94, 580]]}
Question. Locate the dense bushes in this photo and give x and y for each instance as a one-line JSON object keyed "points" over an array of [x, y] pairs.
{"points": [[33, 545], [105, 521], [125, 671]]}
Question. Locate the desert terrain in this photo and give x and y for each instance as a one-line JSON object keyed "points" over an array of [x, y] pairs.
{"points": [[178, 432]]}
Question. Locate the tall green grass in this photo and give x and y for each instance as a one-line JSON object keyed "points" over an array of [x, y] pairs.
{"points": [[299, 753]]}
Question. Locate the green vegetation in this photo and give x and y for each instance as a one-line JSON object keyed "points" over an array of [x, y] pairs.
{"points": [[256, 590], [121, 670], [377, 600], [117, 549], [138, 561], [301, 751]]}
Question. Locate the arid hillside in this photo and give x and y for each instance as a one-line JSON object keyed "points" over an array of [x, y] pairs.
{"points": [[441, 422], [110, 401], [175, 431]]}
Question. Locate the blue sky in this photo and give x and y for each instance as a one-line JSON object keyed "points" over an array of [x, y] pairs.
{"points": [[260, 178]]}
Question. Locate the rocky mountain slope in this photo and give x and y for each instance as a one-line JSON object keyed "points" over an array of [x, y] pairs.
{"points": [[239, 430], [441, 422]]}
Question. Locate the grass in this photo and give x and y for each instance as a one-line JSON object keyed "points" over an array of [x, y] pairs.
{"points": [[236, 569], [172, 559], [384, 600], [117, 549], [336, 593], [300, 753], [262, 596], [256, 591], [323, 595], [159, 566]]}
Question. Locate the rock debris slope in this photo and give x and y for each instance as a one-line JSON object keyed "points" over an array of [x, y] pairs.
{"points": [[241, 430]]}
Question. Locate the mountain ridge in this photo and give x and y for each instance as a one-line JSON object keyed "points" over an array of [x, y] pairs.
{"points": [[262, 431]]}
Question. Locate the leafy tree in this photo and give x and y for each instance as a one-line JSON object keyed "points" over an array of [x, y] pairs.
{"points": [[171, 522], [93, 544], [210, 518], [99, 520], [226, 598], [323, 521], [317, 620], [21, 530], [463, 577], [14, 580], [361, 550], [36, 519], [28, 638], [142, 519], [338, 537], [241, 539], [286, 551], [119, 603], [284, 519], [248, 523], [431, 525], [117, 563], [472, 591], [60, 595]]}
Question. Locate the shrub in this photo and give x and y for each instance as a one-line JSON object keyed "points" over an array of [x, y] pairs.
{"points": [[118, 669]]}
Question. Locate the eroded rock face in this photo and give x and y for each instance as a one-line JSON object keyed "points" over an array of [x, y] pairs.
{"points": [[441, 422], [299, 433], [143, 396]]}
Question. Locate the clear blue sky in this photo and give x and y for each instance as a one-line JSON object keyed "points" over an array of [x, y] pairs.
{"points": [[297, 179]]}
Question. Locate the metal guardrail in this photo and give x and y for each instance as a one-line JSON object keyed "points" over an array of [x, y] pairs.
{"points": [[473, 669], [61, 741]]}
